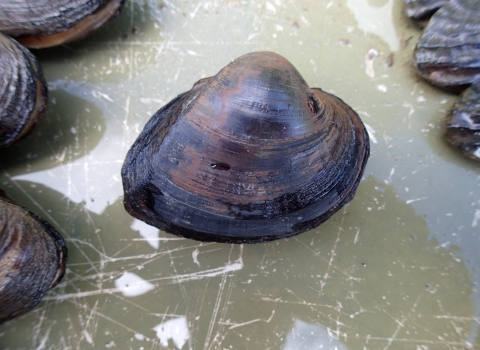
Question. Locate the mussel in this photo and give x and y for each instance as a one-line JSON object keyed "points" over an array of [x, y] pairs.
{"points": [[250, 155], [23, 91], [32, 259], [463, 123], [46, 23], [448, 51], [421, 10]]}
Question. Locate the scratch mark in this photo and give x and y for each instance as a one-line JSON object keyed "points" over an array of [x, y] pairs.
{"points": [[195, 257], [236, 325], [394, 336], [415, 200], [356, 236], [177, 279]]}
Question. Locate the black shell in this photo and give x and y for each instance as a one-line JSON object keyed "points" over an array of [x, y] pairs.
{"points": [[250, 155], [23, 91], [45, 23], [32, 259], [463, 123], [448, 52]]}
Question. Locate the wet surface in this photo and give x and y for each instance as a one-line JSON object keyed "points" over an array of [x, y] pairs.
{"points": [[396, 268]]}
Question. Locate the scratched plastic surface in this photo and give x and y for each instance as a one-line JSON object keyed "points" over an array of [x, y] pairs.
{"points": [[397, 268]]}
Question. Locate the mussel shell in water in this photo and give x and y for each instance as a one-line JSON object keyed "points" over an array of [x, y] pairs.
{"points": [[46, 23], [463, 123], [32, 259], [250, 155], [23, 91], [448, 52], [421, 10]]}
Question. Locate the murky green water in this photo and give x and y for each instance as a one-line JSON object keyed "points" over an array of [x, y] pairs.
{"points": [[397, 268]]}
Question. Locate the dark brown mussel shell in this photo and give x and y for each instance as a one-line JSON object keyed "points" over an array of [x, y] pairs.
{"points": [[420, 11], [250, 155], [23, 91], [463, 123], [32, 259], [46, 23], [448, 51]]}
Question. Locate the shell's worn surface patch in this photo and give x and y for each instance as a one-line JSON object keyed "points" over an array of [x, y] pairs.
{"points": [[251, 155]]}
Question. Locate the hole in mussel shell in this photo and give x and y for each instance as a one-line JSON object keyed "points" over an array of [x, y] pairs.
{"points": [[313, 105], [220, 166]]}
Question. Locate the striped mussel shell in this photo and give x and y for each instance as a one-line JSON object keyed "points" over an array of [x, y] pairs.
{"points": [[448, 51], [463, 123], [420, 11], [46, 23], [250, 155], [23, 91], [32, 259]]}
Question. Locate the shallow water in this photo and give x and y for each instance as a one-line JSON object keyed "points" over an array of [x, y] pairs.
{"points": [[396, 268]]}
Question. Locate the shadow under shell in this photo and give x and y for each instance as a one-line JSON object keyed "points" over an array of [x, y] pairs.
{"points": [[250, 155]]}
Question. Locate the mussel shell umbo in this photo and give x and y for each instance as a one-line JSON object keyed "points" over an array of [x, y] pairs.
{"points": [[463, 123], [448, 51], [421, 10], [250, 155], [46, 23], [32, 259], [23, 91]]}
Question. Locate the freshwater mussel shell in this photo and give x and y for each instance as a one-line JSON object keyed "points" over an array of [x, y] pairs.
{"points": [[420, 11], [32, 259], [463, 123], [250, 155], [448, 51], [46, 23], [23, 91]]}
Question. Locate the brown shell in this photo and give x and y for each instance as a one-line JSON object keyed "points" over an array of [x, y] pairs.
{"points": [[32, 259], [23, 91], [463, 123], [250, 155], [448, 52], [46, 23]]}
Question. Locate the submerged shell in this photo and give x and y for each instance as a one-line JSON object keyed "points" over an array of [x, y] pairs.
{"points": [[421, 10], [46, 23], [250, 155], [463, 123], [448, 52], [32, 259], [23, 91]]}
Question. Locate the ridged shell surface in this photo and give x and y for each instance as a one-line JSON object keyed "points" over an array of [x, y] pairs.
{"points": [[421, 10], [23, 91], [46, 23], [463, 123], [250, 155], [32, 259], [448, 52]]}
